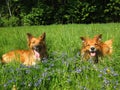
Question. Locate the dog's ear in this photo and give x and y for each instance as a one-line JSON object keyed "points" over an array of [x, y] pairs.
{"points": [[98, 37], [29, 36], [83, 39], [43, 36]]}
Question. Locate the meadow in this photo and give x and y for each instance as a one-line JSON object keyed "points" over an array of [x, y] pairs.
{"points": [[63, 70]]}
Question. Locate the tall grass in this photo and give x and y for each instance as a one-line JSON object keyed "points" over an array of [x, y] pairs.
{"points": [[63, 70]]}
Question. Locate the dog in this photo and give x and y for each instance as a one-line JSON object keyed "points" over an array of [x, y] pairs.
{"points": [[95, 48], [37, 51]]}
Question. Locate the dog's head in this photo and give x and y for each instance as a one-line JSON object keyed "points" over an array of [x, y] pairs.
{"points": [[36, 44], [92, 46]]}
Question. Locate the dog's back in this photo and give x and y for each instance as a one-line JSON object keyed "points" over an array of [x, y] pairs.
{"points": [[107, 47], [109, 43]]}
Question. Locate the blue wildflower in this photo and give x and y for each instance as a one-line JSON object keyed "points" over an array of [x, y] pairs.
{"points": [[30, 84], [100, 75], [44, 60], [27, 71], [68, 80], [38, 82], [51, 65], [44, 74], [106, 82], [5, 85], [115, 87], [115, 74], [78, 70]]}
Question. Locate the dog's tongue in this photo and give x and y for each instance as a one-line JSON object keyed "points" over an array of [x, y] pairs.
{"points": [[93, 54], [37, 55]]}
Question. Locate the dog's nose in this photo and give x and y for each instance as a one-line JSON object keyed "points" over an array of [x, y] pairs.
{"points": [[92, 48], [35, 47]]}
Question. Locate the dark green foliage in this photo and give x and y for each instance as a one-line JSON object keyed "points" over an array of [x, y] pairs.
{"points": [[45, 12], [12, 21]]}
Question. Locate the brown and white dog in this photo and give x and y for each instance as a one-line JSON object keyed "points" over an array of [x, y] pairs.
{"points": [[95, 48], [37, 51]]}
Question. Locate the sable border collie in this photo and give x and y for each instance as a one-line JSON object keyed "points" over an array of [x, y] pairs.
{"points": [[36, 52], [95, 48]]}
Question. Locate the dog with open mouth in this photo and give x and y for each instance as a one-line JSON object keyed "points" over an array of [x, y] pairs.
{"points": [[36, 52], [95, 48]]}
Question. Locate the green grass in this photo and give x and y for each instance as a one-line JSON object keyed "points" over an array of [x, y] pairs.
{"points": [[63, 70]]}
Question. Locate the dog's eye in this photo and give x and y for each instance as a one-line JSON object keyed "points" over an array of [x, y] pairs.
{"points": [[33, 42], [96, 44], [87, 45]]}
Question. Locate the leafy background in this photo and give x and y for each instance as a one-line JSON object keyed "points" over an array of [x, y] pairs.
{"points": [[45, 12]]}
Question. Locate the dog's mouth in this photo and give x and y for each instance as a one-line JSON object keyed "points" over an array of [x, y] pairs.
{"points": [[37, 54], [93, 54], [92, 51], [36, 50]]}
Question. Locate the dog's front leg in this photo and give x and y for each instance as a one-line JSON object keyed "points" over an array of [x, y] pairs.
{"points": [[96, 59]]}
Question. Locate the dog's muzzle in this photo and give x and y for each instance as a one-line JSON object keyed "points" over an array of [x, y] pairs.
{"points": [[37, 50], [92, 51]]}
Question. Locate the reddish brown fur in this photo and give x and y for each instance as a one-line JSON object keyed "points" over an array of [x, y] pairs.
{"points": [[27, 57], [101, 48]]}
